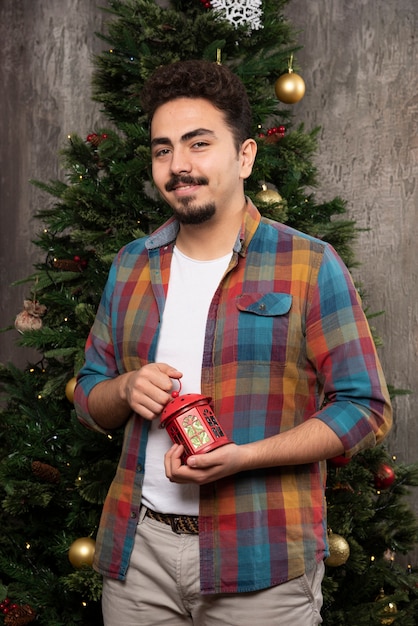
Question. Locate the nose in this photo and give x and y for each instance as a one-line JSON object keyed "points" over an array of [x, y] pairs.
{"points": [[180, 161]]}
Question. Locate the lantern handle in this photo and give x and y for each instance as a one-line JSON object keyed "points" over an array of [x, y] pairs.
{"points": [[175, 394]]}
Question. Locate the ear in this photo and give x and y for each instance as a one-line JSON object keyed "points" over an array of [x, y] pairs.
{"points": [[247, 156]]}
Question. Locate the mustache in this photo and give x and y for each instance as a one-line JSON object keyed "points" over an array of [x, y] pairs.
{"points": [[185, 180]]}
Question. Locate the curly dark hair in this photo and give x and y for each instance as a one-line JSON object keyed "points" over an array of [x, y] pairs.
{"points": [[201, 79]]}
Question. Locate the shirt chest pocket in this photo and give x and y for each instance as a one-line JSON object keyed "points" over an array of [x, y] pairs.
{"points": [[263, 327]]}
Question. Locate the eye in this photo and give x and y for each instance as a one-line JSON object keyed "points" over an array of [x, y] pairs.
{"points": [[162, 152], [200, 144]]}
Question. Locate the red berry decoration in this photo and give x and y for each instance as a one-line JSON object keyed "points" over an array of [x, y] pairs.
{"points": [[81, 264], [275, 133], [93, 138], [96, 139], [277, 130], [384, 477]]}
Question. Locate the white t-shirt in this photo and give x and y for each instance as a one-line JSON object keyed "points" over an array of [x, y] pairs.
{"points": [[192, 286]]}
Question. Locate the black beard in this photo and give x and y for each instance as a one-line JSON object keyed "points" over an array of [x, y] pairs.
{"points": [[194, 215], [190, 214]]}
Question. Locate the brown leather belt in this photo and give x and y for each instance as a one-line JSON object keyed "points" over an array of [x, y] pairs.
{"points": [[180, 524]]}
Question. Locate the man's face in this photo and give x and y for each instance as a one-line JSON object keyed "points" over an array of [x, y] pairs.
{"points": [[195, 163]]}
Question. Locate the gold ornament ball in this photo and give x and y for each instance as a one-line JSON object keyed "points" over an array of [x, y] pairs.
{"points": [[339, 550], [269, 195], [81, 552], [69, 389], [290, 88], [390, 609]]}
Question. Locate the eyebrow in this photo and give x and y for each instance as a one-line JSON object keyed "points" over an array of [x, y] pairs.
{"points": [[158, 141]]}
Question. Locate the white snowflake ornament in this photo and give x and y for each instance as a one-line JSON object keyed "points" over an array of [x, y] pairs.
{"points": [[241, 12]]}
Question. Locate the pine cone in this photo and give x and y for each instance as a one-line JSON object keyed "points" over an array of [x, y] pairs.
{"points": [[19, 616], [67, 265], [46, 472]]}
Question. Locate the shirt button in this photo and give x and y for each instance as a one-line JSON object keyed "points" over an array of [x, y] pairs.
{"points": [[139, 468], [262, 307], [133, 515]]}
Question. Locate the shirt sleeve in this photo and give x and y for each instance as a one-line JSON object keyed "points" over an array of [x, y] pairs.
{"points": [[356, 403], [100, 362]]}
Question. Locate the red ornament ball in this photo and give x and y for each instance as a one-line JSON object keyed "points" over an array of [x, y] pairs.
{"points": [[384, 477], [339, 461]]}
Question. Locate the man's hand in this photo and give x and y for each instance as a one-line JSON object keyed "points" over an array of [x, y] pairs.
{"points": [[147, 390], [204, 468], [309, 442]]}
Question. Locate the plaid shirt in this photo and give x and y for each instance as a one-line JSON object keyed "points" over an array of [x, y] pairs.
{"points": [[286, 341]]}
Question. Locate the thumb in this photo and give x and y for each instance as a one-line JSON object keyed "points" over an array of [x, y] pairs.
{"points": [[200, 461]]}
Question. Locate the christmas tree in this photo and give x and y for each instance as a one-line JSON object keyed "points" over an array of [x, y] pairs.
{"points": [[54, 474]]}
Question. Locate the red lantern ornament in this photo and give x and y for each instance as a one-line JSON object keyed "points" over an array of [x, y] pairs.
{"points": [[384, 477], [190, 421]]}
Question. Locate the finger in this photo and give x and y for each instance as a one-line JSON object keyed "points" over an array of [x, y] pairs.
{"points": [[172, 460], [169, 373]]}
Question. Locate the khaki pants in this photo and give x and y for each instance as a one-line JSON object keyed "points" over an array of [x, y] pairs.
{"points": [[162, 589]]}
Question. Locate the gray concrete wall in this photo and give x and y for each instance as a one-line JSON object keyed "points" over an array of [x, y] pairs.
{"points": [[45, 78]]}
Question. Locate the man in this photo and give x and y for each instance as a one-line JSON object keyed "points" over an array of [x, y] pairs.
{"points": [[263, 319]]}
